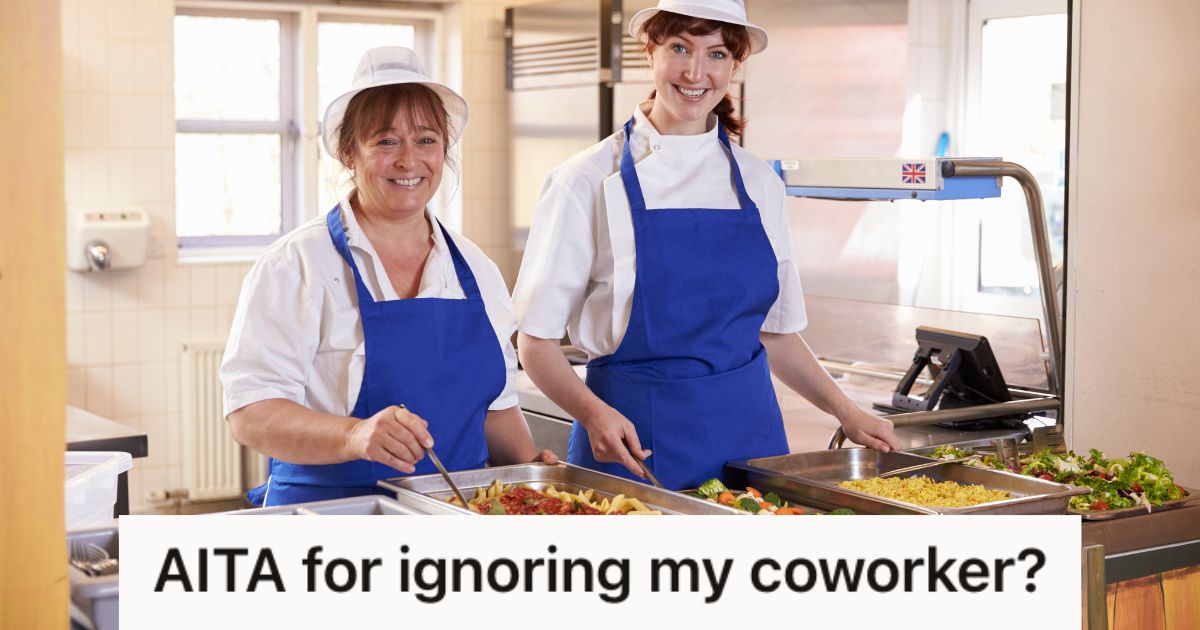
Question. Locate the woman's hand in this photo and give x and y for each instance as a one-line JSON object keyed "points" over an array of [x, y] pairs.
{"points": [[610, 432], [394, 436], [868, 429]]}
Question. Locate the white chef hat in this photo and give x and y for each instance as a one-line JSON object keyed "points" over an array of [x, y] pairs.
{"points": [[728, 11], [391, 65]]}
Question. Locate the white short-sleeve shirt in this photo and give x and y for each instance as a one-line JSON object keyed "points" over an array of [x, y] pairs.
{"points": [[578, 272], [297, 333]]}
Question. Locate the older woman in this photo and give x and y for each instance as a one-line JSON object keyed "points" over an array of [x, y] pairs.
{"points": [[664, 252], [373, 333]]}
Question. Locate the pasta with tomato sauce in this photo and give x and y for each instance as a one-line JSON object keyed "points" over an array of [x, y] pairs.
{"points": [[500, 498]]}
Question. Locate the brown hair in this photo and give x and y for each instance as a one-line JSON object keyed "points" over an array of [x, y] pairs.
{"points": [[372, 111], [665, 24]]}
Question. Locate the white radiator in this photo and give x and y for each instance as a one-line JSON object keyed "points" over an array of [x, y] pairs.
{"points": [[212, 460]]}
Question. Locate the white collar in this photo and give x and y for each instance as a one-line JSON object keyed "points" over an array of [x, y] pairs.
{"points": [[355, 237], [671, 145], [436, 276]]}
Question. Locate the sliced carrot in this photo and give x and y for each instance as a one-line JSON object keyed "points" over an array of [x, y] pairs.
{"points": [[755, 493], [725, 498], [785, 511]]}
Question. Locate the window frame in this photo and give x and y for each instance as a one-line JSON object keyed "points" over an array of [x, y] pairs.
{"points": [[299, 121], [285, 127], [966, 291]]}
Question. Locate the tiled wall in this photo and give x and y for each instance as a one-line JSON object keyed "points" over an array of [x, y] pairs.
{"points": [[933, 104], [487, 219], [125, 328], [936, 38]]}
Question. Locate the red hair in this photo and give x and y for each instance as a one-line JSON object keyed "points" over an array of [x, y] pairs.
{"points": [[666, 24]]}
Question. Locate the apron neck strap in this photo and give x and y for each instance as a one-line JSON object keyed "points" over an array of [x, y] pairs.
{"points": [[633, 186], [337, 233], [466, 278]]}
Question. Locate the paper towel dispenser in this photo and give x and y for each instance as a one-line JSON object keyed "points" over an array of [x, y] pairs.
{"points": [[100, 240]]}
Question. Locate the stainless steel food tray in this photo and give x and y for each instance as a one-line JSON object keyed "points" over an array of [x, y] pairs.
{"points": [[785, 495], [375, 504], [1104, 515], [1110, 514], [814, 477], [565, 477], [811, 492]]}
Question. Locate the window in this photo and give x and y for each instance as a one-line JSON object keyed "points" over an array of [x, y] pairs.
{"points": [[1016, 109], [251, 88], [1022, 115], [1007, 66], [234, 127]]}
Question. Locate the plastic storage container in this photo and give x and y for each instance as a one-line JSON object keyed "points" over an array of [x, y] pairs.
{"points": [[94, 599], [90, 490]]}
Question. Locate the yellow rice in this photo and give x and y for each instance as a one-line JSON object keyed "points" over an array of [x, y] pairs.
{"points": [[925, 491]]}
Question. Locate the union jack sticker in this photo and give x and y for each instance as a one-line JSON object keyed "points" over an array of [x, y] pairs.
{"points": [[912, 173]]}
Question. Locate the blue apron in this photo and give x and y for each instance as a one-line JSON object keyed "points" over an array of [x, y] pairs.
{"points": [[438, 357], [691, 372]]}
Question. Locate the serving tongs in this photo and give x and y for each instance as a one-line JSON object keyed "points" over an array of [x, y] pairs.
{"points": [[445, 475], [437, 463], [92, 559], [645, 469], [939, 462], [649, 475]]}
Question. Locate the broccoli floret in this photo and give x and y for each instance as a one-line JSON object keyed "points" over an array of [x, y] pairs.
{"points": [[711, 488], [773, 498], [748, 504], [842, 512]]}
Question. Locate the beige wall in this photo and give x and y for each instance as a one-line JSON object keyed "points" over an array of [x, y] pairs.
{"points": [[33, 559], [1134, 283]]}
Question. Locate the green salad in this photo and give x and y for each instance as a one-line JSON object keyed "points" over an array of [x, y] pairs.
{"points": [[1123, 482]]}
